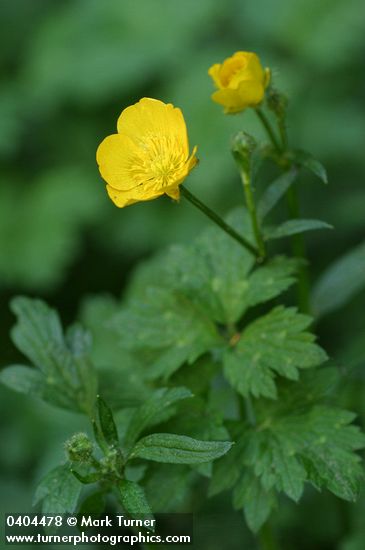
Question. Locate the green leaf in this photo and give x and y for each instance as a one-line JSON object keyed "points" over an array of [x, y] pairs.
{"points": [[274, 192], [200, 418], [153, 411], [340, 282], [178, 449], [274, 461], [274, 343], [169, 325], [66, 375], [270, 280], [133, 499], [310, 442], [313, 165], [256, 502], [327, 450], [38, 334], [210, 272], [293, 227], [59, 491], [215, 273], [23, 379], [107, 424]]}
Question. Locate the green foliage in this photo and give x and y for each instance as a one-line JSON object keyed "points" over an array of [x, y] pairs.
{"points": [[276, 342], [295, 440], [202, 286], [256, 502], [303, 158], [58, 491], [65, 375], [274, 192], [155, 409], [133, 499], [153, 324], [293, 227], [178, 449], [108, 429]]}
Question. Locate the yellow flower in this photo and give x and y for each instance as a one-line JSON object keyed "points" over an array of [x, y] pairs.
{"points": [[149, 156], [241, 82]]}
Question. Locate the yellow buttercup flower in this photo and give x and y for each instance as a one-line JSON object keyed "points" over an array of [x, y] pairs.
{"points": [[149, 156], [241, 82]]}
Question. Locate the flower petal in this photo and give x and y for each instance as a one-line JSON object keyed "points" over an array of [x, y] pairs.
{"points": [[116, 156], [173, 192], [153, 117], [248, 94], [214, 72], [125, 198]]}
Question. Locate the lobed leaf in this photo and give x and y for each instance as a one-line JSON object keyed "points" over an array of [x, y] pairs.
{"points": [[255, 501], [275, 343], [168, 324], [65, 375]]}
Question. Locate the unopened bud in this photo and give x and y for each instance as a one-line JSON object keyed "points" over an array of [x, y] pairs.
{"points": [[243, 147], [79, 448]]}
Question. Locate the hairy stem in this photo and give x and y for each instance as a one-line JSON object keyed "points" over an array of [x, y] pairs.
{"points": [[218, 220], [298, 244], [251, 207], [269, 129]]}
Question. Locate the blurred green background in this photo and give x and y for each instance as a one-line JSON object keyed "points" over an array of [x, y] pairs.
{"points": [[68, 69]]}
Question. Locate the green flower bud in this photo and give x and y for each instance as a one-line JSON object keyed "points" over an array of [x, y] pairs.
{"points": [[243, 147], [79, 448]]}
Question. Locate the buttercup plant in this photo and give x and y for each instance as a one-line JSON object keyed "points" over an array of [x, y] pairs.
{"points": [[180, 384]]}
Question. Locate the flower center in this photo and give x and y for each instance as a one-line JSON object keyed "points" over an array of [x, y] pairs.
{"points": [[160, 158]]}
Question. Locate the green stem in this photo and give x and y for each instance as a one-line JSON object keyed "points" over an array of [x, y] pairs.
{"points": [[221, 223], [250, 202], [269, 129], [267, 538], [298, 244]]}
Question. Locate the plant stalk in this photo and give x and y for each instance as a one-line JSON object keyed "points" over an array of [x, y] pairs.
{"points": [[251, 207], [218, 221], [267, 538], [298, 244], [269, 129]]}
